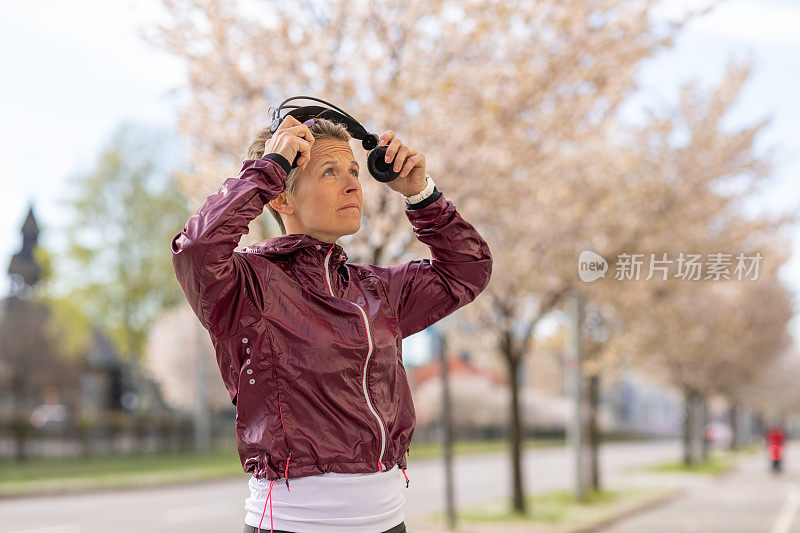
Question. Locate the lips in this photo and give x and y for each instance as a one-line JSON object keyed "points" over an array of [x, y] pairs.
{"points": [[349, 206]]}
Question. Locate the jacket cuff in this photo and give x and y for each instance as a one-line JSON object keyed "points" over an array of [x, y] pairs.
{"points": [[282, 161], [431, 214], [267, 172], [427, 201]]}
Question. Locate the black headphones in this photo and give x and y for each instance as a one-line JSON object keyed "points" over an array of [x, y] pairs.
{"points": [[376, 160]]}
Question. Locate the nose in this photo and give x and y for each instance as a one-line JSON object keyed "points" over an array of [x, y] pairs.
{"points": [[352, 183]]}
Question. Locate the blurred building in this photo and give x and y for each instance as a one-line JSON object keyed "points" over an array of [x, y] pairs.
{"points": [[180, 358], [480, 400], [103, 374], [639, 404], [629, 402]]}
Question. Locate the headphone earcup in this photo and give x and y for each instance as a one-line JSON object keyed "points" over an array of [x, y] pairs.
{"points": [[378, 167]]}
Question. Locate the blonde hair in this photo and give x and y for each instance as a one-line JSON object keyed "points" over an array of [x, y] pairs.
{"points": [[322, 129]]}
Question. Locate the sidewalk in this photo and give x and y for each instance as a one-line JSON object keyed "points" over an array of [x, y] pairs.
{"points": [[747, 499]]}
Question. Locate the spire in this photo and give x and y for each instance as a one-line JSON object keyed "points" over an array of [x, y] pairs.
{"points": [[23, 263], [30, 229]]}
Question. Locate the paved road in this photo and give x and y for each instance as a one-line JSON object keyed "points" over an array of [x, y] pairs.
{"points": [[748, 500], [219, 506]]}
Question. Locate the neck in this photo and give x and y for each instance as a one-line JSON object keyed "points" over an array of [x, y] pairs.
{"points": [[325, 237], [319, 237]]}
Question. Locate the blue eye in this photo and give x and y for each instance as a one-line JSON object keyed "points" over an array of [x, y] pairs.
{"points": [[355, 172]]}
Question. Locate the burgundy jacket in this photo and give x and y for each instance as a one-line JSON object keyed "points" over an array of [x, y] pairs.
{"points": [[309, 345]]}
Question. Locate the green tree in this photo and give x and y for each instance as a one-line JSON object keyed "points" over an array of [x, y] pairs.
{"points": [[116, 269]]}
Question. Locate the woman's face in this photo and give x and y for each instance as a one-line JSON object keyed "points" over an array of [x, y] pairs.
{"points": [[327, 184]]}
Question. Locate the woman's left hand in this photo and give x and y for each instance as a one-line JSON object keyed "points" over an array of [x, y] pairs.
{"points": [[408, 162]]}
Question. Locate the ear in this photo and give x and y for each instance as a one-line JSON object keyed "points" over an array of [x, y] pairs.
{"points": [[281, 204]]}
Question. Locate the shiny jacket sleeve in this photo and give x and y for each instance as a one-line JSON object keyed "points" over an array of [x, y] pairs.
{"points": [[424, 291], [213, 277]]}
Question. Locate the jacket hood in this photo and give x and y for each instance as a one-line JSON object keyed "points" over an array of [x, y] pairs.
{"points": [[293, 243]]}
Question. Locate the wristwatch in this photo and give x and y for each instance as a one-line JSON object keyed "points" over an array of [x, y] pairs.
{"points": [[427, 191]]}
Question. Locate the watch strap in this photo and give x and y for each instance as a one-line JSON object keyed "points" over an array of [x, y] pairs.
{"points": [[425, 193]]}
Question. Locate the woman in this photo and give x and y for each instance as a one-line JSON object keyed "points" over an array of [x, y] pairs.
{"points": [[309, 345]]}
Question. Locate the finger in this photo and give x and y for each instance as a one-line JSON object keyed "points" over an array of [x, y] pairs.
{"points": [[386, 137], [410, 163], [402, 154], [288, 122], [301, 131], [394, 146], [304, 149]]}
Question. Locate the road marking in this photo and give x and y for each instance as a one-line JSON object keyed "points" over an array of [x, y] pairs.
{"points": [[785, 518], [196, 513], [60, 528]]}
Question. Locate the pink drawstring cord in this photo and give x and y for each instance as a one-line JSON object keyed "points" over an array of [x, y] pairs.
{"points": [[269, 499], [404, 474]]}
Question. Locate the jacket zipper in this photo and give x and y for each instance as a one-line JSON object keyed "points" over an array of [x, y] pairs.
{"points": [[366, 362]]}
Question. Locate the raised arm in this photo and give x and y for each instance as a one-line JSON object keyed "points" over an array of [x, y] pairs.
{"points": [[209, 272], [211, 275], [424, 291]]}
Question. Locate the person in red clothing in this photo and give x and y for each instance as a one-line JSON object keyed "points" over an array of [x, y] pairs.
{"points": [[775, 438]]}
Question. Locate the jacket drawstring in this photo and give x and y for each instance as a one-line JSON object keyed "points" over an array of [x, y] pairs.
{"points": [[269, 499], [272, 482], [286, 471], [408, 452]]}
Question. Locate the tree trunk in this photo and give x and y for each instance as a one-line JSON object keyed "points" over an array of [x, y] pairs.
{"points": [[447, 424], [20, 422], [706, 443], [733, 420], [760, 426], [594, 430], [20, 431], [518, 498], [688, 427]]}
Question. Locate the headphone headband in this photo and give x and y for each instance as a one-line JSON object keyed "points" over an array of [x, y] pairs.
{"points": [[332, 113], [376, 163]]}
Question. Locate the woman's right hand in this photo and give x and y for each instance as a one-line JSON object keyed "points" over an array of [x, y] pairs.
{"points": [[291, 138]]}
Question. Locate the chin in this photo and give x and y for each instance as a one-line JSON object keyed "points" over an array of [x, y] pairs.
{"points": [[351, 229]]}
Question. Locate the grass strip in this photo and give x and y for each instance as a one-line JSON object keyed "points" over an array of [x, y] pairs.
{"points": [[61, 475], [559, 511], [719, 462]]}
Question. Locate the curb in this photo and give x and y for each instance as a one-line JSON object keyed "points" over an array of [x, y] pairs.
{"points": [[647, 504], [657, 501]]}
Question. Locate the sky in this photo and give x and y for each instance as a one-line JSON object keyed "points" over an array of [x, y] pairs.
{"points": [[70, 79]]}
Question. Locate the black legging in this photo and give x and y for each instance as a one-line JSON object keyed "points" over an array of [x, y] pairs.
{"points": [[399, 528]]}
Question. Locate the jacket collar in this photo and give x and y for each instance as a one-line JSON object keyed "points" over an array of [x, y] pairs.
{"points": [[299, 243]]}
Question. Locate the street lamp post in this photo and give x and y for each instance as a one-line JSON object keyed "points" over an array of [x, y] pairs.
{"points": [[440, 349]]}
